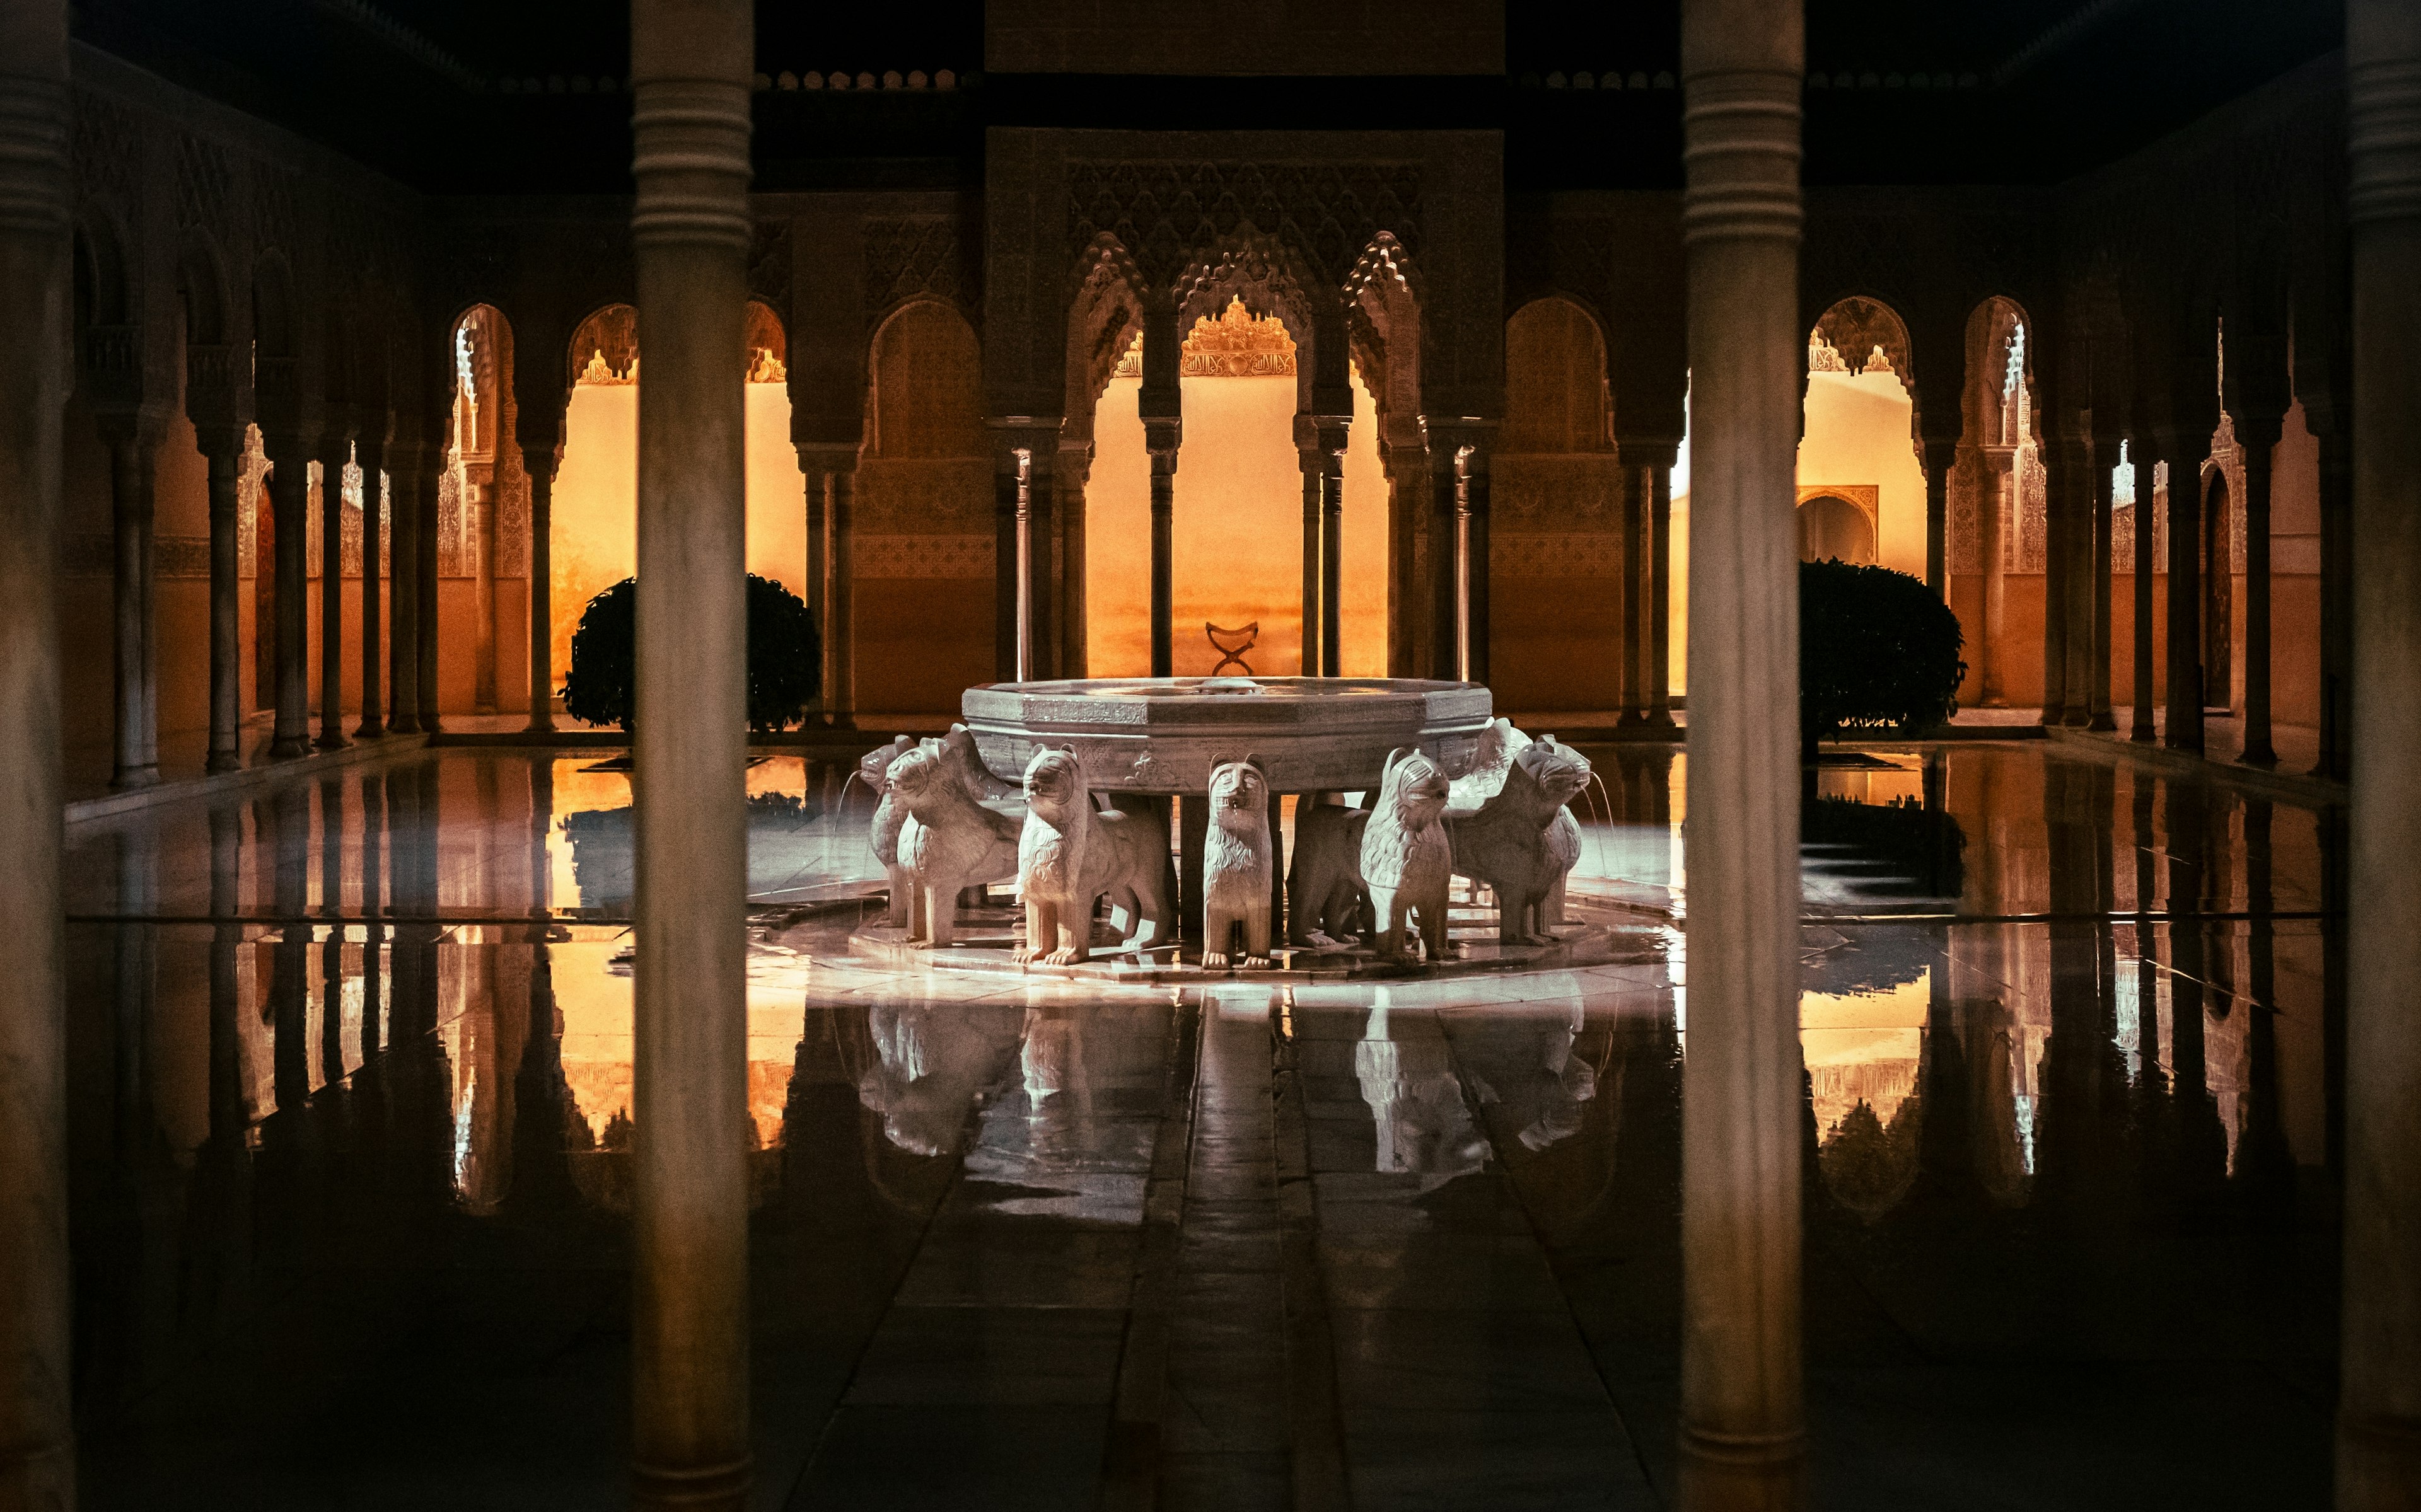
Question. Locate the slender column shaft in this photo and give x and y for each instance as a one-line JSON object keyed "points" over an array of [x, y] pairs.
{"points": [[2184, 731], [1999, 505], [2076, 598], [2146, 508], [2379, 1405], [289, 502], [1472, 498], [480, 509], [1444, 562], [1331, 550], [842, 546], [403, 583], [1630, 494], [1741, 1414], [333, 454], [225, 478], [2257, 439], [2059, 498], [691, 61], [1161, 438], [1940, 454], [1309, 661], [541, 463], [1039, 585], [424, 540], [373, 465], [1024, 538], [2105, 453], [133, 498], [2336, 602], [37, 1427], [819, 592], [1659, 595], [1073, 471]]}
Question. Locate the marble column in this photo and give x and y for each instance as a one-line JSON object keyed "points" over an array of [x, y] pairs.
{"points": [[1331, 544], [832, 485], [404, 463], [2146, 509], [818, 594], [2258, 434], [479, 510], [290, 504], [133, 440], [1073, 472], [2337, 601], [2378, 1401], [2058, 449], [1471, 501], [1459, 546], [1160, 403], [1307, 460], [2104, 457], [1742, 1436], [372, 459], [336, 450], [541, 463], [424, 618], [1940, 456], [2184, 728], [1630, 500], [689, 67], [1660, 590], [2076, 598], [1998, 507], [222, 450], [38, 1446]]}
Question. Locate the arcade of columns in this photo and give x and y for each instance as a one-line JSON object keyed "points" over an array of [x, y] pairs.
{"points": [[691, 240]]}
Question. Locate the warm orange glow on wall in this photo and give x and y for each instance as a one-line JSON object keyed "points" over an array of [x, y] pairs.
{"points": [[595, 540], [1857, 434], [1239, 530]]}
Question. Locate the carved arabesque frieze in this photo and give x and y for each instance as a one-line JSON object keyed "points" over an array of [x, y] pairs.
{"points": [[1555, 491], [105, 154], [453, 561], [1238, 344], [1861, 331], [769, 263], [605, 348], [912, 257], [251, 475], [205, 184]]}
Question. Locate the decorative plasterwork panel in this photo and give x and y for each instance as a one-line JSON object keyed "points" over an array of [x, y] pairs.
{"points": [[205, 184], [1555, 489], [954, 558], [769, 263], [1569, 556], [1167, 214], [605, 349], [106, 148], [909, 256], [1864, 335], [1867, 496], [1239, 344]]}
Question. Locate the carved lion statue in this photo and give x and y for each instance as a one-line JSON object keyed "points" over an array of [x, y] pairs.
{"points": [[1069, 856], [1325, 906], [1407, 860], [949, 842], [874, 770], [1506, 842], [1237, 863]]}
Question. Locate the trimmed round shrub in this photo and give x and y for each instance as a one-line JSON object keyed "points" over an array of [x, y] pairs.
{"points": [[1877, 651], [784, 657]]}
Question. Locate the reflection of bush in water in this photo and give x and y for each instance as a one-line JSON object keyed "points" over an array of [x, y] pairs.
{"points": [[601, 839], [1923, 847], [1867, 1165]]}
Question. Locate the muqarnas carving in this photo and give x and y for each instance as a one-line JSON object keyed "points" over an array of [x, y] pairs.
{"points": [[874, 770], [1069, 856], [1505, 841], [1407, 860], [948, 842], [1238, 862], [1325, 906]]}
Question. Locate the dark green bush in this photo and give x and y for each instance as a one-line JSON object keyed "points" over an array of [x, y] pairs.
{"points": [[1877, 651], [784, 657]]}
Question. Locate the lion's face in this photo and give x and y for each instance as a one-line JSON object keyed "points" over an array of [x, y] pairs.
{"points": [[1053, 777], [1560, 771], [1237, 786], [913, 773], [874, 768], [1420, 789]]}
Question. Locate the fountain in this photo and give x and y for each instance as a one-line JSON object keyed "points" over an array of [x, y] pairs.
{"points": [[1121, 758]]}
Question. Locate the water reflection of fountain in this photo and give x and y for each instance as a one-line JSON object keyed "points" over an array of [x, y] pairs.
{"points": [[1423, 1127]]}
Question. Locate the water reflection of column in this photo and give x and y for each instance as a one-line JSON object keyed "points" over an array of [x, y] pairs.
{"points": [[1743, 1442], [2202, 1143], [332, 950], [373, 790], [290, 814], [691, 61], [2379, 1410], [2265, 1166], [223, 1167], [335, 452], [2147, 506]]}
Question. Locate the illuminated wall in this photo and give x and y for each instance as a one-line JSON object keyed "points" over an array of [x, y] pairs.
{"points": [[594, 543], [1858, 436], [1238, 549]]}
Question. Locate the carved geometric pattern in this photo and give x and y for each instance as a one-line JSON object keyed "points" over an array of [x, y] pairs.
{"points": [[910, 256], [511, 492], [924, 495], [1166, 214], [1555, 489], [249, 501], [769, 263], [107, 146], [452, 561], [273, 207], [958, 558], [1529, 555], [204, 183]]}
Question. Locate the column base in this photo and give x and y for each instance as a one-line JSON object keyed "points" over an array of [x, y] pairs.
{"points": [[330, 742], [715, 1489], [1631, 719], [2258, 756], [2104, 722], [290, 748], [126, 779], [370, 729], [539, 726], [223, 761]]}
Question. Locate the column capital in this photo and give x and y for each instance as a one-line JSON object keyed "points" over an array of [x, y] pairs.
{"points": [[1648, 451], [828, 457]]}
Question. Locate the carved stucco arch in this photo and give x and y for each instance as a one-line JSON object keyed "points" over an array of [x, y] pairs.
{"points": [[1272, 282], [1105, 313], [1385, 318]]}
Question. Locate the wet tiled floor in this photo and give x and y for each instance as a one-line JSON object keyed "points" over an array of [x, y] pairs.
{"points": [[351, 1067]]}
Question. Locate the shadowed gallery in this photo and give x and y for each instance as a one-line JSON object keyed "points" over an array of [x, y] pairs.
{"points": [[1019, 753]]}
